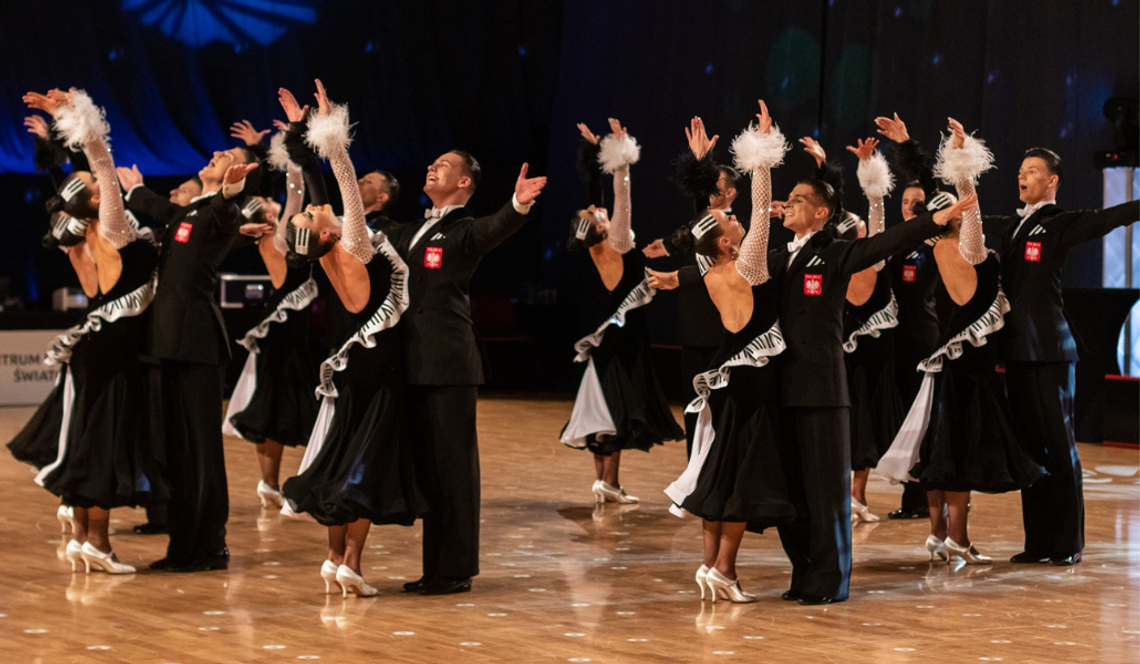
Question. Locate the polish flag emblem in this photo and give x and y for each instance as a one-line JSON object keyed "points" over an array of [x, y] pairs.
{"points": [[813, 284], [433, 258], [910, 273], [1032, 251], [183, 233]]}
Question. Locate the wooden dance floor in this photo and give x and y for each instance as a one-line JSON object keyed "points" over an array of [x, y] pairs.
{"points": [[565, 582]]}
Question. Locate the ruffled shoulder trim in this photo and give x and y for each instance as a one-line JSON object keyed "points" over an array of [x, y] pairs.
{"points": [[883, 319], [975, 334]]}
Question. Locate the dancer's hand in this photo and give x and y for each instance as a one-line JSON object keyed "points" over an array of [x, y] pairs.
{"points": [[129, 177], [616, 130], [777, 211], [655, 249], [893, 128], [235, 174], [245, 131], [662, 280], [765, 120], [323, 105], [866, 148], [41, 103], [37, 125], [587, 134], [256, 231], [959, 133], [812, 147], [280, 126], [526, 190], [293, 111], [943, 216], [699, 142]]}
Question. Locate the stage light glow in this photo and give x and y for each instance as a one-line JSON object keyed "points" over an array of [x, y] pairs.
{"points": [[197, 23]]}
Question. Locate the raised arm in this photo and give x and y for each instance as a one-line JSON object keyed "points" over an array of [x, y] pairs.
{"points": [[618, 151], [961, 160], [910, 160], [757, 150], [328, 134], [294, 186], [82, 125], [876, 181]]}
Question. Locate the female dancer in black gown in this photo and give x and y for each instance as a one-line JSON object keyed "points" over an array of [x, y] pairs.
{"points": [[958, 436], [272, 405], [102, 461], [357, 469], [619, 405], [870, 316], [735, 477]]}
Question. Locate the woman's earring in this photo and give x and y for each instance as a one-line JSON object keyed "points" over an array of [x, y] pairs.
{"points": [[733, 253]]}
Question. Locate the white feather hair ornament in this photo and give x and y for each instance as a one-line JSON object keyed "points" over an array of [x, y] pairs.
{"points": [[753, 151], [875, 176], [81, 121], [618, 152], [965, 164], [327, 133], [278, 156]]}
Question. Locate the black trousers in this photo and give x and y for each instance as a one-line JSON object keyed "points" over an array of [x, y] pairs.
{"points": [[818, 540], [1053, 510], [445, 447], [694, 360], [195, 461]]}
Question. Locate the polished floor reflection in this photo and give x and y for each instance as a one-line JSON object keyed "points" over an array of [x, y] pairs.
{"points": [[565, 581]]}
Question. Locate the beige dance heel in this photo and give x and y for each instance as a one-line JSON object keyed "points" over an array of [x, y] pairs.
{"points": [[969, 554], [328, 573], [103, 562], [270, 497], [610, 494], [936, 547], [74, 555], [727, 588], [702, 579], [351, 582]]}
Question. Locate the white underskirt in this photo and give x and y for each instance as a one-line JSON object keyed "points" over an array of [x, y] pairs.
{"points": [[65, 424], [313, 448], [686, 484], [591, 415], [243, 394]]}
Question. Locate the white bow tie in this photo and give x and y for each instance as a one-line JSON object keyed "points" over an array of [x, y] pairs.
{"points": [[1030, 209], [434, 213], [797, 244]]}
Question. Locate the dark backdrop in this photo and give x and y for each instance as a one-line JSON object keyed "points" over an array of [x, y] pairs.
{"points": [[508, 80]]}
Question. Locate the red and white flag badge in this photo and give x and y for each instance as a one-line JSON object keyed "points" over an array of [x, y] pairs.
{"points": [[183, 233], [1032, 251], [813, 284], [433, 258], [910, 273]]}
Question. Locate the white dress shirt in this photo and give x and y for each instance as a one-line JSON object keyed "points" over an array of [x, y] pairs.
{"points": [[795, 245], [1027, 212]]}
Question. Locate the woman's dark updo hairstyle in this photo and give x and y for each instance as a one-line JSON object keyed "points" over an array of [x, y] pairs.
{"points": [[707, 245], [66, 231], [79, 205], [591, 238], [316, 247]]}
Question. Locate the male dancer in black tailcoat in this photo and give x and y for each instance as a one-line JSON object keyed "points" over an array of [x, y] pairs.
{"points": [[188, 338], [444, 360], [814, 271], [1040, 352]]}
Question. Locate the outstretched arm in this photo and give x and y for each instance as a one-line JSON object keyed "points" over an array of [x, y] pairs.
{"points": [[876, 181], [619, 151], [328, 134], [82, 125], [757, 150], [489, 232], [961, 160], [910, 160]]}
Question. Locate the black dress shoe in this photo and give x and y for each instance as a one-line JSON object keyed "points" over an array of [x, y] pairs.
{"points": [[418, 585], [812, 600], [900, 513], [202, 564], [1065, 561], [447, 587], [1027, 557], [164, 564], [149, 528], [791, 596]]}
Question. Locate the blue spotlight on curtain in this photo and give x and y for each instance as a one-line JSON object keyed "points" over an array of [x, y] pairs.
{"points": [[199, 22]]}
